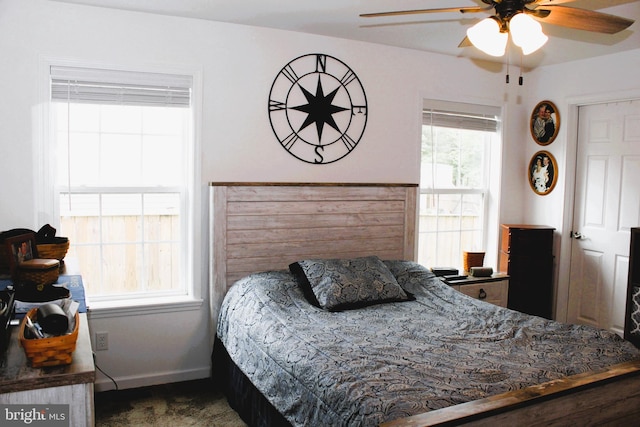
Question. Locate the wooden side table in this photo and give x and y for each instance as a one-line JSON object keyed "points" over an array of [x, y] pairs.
{"points": [[493, 289], [69, 384]]}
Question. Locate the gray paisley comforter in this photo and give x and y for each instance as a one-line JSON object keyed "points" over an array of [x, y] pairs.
{"points": [[388, 361]]}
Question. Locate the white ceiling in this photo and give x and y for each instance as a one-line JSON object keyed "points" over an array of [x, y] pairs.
{"points": [[434, 32]]}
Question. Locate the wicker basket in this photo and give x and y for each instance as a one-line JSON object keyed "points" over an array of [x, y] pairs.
{"points": [[53, 250], [472, 259], [39, 276], [48, 351]]}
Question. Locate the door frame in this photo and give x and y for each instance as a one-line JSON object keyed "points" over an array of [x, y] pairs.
{"points": [[572, 105]]}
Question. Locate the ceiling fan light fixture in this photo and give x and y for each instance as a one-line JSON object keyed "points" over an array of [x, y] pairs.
{"points": [[526, 33], [486, 36]]}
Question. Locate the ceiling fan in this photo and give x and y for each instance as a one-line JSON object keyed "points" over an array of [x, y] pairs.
{"points": [[519, 18]]}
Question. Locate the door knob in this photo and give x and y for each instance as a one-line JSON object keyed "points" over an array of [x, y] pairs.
{"points": [[577, 235]]}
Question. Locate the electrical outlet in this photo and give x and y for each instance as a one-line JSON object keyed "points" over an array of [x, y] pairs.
{"points": [[102, 340]]}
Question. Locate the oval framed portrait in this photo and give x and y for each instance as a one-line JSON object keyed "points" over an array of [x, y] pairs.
{"points": [[544, 122], [543, 172]]}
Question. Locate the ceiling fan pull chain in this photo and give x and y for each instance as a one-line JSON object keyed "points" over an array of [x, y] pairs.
{"points": [[508, 56], [520, 79]]}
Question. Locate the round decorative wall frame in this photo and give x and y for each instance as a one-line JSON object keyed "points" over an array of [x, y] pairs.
{"points": [[318, 108], [544, 122], [543, 172]]}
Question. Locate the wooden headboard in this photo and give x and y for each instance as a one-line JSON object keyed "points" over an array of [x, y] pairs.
{"points": [[260, 227]]}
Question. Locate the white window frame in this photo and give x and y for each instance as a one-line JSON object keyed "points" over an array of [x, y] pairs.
{"points": [[48, 210], [491, 189]]}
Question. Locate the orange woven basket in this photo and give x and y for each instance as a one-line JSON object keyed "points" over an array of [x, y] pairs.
{"points": [[48, 351], [53, 250]]}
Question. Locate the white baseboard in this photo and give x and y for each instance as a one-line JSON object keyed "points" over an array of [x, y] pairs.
{"points": [[105, 384]]}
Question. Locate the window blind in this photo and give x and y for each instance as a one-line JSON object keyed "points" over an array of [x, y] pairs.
{"points": [[101, 86], [469, 121]]}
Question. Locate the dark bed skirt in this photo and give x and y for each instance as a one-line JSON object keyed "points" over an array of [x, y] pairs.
{"points": [[243, 397]]}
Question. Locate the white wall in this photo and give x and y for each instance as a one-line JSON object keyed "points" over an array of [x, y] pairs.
{"points": [[238, 65], [607, 78]]}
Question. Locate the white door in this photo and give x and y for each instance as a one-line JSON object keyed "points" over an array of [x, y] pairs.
{"points": [[607, 204]]}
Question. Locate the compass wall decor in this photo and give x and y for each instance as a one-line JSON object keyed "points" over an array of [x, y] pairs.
{"points": [[318, 108]]}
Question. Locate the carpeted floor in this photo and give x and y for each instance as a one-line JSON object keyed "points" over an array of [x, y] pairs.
{"points": [[191, 403]]}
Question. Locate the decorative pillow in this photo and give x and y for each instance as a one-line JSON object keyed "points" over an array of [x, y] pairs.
{"points": [[411, 276], [342, 284]]}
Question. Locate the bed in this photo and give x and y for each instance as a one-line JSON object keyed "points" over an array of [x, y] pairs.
{"points": [[425, 356]]}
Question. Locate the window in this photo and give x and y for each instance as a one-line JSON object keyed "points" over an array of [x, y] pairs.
{"points": [[123, 178], [456, 164]]}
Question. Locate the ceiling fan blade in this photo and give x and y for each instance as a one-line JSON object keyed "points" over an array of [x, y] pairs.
{"points": [[421, 11], [537, 13], [550, 2], [582, 19]]}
